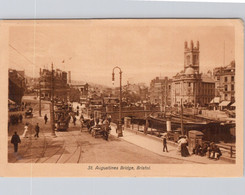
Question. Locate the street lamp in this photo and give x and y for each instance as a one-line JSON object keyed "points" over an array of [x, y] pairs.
{"points": [[119, 130]]}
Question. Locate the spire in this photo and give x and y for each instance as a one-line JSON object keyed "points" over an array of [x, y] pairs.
{"points": [[186, 45], [191, 44]]}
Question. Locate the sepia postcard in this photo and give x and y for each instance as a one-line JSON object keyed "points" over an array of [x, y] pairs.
{"points": [[121, 98]]}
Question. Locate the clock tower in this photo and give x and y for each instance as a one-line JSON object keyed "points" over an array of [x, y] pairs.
{"points": [[191, 56]]}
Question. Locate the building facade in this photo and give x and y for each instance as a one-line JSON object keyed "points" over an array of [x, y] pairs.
{"points": [[83, 91], [61, 88], [17, 85], [160, 91], [190, 86], [225, 82]]}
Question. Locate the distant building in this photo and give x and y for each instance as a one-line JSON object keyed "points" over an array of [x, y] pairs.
{"points": [[189, 85], [60, 85], [17, 85], [83, 90], [225, 82], [160, 91], [144, 93], [133, 93]]}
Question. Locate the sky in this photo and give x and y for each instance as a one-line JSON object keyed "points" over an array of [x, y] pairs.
{"points": [[143, 48]]}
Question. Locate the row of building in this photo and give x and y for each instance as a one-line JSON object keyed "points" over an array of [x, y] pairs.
{"points": [[192, 87], [17, 85], [189, 86]]}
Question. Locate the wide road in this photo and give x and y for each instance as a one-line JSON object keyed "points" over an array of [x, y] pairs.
{"points": [[76, 146]]}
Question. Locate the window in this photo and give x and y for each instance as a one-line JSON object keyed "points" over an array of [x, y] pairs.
{"points": [[232, 87], [225, 87], [225, 79], [232, 78], [189, 84]]}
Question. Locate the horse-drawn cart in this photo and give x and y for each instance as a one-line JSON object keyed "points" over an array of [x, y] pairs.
{"points": [[101, 131], [28, 113]]}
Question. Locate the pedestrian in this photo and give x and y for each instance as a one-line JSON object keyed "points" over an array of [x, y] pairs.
{"points": [[146, 126], [45, 118], [210, 150], [25, 131], [15, 140], [216, 153], [97, 120], [37, 129], [74, 120], [165, 144], [183, 146], [109, 119], [21, 118], [81, 121]]}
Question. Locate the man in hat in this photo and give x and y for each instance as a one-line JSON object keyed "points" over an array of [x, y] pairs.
{"points": [[165, 144], [15, 140], [45, 118], [37, 129]]}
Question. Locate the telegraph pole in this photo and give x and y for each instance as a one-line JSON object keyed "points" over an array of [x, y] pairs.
{"points": [[165, 101], [40, 105], [52, 103], [181, 114]]}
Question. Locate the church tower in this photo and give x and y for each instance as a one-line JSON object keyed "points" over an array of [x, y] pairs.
{"points": [[191, 56]]}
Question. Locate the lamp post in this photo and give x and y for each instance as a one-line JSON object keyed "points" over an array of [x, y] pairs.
{"points": [[119, 130], [40, 104], [52, 103]]}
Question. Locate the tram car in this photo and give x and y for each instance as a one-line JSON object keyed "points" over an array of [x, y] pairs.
{"points": [[61, 117]]}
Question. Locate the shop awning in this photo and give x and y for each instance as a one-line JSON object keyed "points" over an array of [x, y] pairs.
{"points": [[216, 100], [224, 103], [234, 104]]}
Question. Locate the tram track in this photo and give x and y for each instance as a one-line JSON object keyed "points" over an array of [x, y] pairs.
{"points": [[78, 147], [44, 149], [50, 156], [62, 150]]}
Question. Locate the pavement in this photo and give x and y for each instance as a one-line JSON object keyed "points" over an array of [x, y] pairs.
{"points": [[155, 145]]}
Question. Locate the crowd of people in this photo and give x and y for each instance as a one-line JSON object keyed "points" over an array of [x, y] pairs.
{"points": [[211, 150], [15, 119]]}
